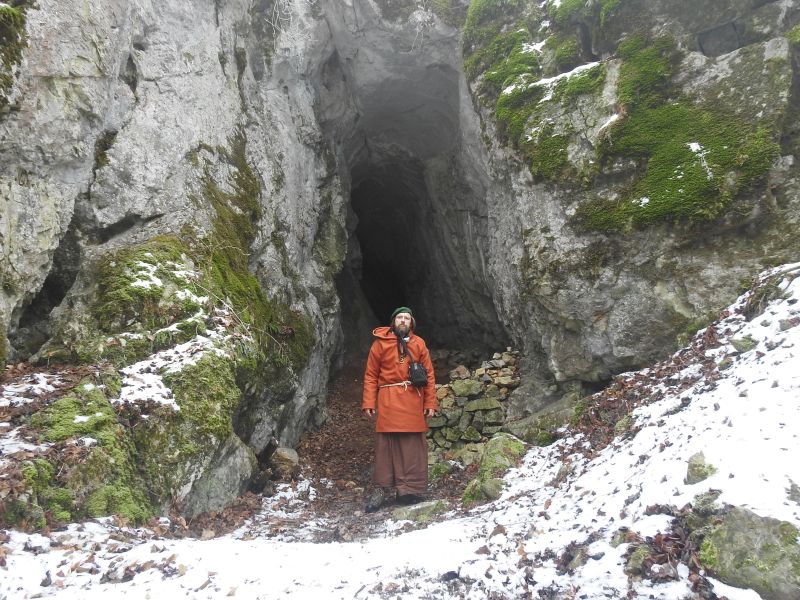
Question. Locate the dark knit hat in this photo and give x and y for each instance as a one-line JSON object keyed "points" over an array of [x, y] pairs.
{"points": [[397, 311], [402, 309]]}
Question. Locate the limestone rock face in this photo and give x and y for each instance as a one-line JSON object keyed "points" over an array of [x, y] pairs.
{"points": [[191, 124], [597, 296]]}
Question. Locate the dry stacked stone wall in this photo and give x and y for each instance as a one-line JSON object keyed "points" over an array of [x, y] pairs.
{"points": [[473, 404]]}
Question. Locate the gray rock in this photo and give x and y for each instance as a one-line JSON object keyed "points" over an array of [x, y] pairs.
{"points": [[439, 421], [698, 470], [420, 513], [744, 344], [482, 404], [471, 434], [224, 479], [284, 462], [748, 551], [466, 387]]}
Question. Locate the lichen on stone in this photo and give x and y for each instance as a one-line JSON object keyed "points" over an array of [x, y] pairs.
{"points": [[698, 470], [748, 551]]}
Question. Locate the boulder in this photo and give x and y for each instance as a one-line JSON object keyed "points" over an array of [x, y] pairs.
{"points": [[501, 453], [698, 470], [745, 550], [285, 463], [482, 404]]}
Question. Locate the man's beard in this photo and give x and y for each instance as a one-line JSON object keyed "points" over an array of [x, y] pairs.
{"points": [[401, 330]]}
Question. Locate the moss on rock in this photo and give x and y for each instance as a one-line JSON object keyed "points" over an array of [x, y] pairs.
{"points": [[501, 453], [71, 489], [283, 336], [793, 35], [697, 162], [136, 285], [698, 470], [13, 39], [697, 159], [482, 16], [748, 551], [172, 445]]}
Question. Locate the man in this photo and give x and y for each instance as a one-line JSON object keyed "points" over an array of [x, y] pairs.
{"points": [[401, 450]]}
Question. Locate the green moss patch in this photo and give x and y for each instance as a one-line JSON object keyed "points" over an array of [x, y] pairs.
{"points": [[71, 482], [793, 35], [283, 336], [522, 118], [565, 51], [547, 153], [137, 285], [171, 444], [482, 19], [13, 39], [646, 73], [502, 60], [697, 162], [501, 453], [563, 11]]}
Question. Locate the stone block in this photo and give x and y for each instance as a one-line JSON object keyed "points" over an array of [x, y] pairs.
{"points": [[467, 387], [453, 415], [471, 434], [451, 434], [494, 417], [439, 421], [465, 421], [482, 404]]}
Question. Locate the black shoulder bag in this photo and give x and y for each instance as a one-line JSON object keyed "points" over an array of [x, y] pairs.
{"points": [[417, 373]]}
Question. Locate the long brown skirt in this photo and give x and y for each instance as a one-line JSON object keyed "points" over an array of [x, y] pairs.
{"points": [[401, 462]]}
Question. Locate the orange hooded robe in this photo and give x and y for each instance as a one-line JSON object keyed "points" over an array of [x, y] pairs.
{"points": [[399, 408]]}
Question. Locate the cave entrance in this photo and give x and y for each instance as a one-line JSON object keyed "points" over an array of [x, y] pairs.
{"points": [[389, 231], [418, 228]]}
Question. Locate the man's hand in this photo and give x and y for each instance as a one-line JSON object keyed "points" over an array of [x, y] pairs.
{"points": [[368, 412], [429, 412]]}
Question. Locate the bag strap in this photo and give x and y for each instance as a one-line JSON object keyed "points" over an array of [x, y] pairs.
{"points": [[405, 348]]}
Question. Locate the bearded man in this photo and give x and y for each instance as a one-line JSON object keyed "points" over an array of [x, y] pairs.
{"points": [[401, 450]]}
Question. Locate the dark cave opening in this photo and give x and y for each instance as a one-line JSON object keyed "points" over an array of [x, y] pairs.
{"points": [[403, 254], [393, 266], [417, 222], [32, 320]]}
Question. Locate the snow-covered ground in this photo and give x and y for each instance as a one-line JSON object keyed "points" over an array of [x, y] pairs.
{"points": [[745, 418]]}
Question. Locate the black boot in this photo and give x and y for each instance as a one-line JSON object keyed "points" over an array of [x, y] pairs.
{"points": [[407, 499], [375, 499]]}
